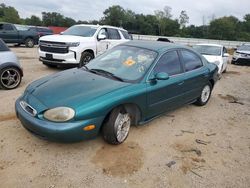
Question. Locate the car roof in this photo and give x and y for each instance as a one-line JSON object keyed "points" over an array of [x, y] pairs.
{"points": [[208, 44], [154, 45]]}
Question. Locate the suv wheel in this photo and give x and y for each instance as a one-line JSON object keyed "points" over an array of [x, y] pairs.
{"points": [[85, 58], [29, 43]]}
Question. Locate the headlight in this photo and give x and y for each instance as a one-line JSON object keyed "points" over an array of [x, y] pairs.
{"points": [[59, 114], [73, 44]]}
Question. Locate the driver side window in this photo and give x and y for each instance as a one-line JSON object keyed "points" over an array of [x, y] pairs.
{"points": [[169, 63], [103, 31]]}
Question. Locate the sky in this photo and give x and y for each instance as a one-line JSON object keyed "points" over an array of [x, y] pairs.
{"points": [[199, 11]]}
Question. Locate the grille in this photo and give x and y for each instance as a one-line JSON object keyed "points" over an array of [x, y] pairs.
{"points": [[54, 47]]}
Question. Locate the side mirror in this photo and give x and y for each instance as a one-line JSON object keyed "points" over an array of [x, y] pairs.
{"points": [[225, 55], [161, 76], [101, 37]]}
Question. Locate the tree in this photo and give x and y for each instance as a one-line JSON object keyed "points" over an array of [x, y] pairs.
{"points": [[224, 28], [114, 15], [9, 14], [52, 19], [33, 20], [183, 19]]}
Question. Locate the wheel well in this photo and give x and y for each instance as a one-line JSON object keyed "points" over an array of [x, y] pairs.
{"points": [[212, 82], [132, 109], [9, 65], [90, 51]]}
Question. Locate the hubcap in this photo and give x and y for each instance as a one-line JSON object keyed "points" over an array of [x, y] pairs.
{"points": [[205, 94], [87, 59], [10, 78], [30, 43], [122, 123]]}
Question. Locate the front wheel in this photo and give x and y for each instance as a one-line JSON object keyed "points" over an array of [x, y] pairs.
{"points": [[10, 78], [115, 130], [205, 95], [85, 58], [29, 43]]}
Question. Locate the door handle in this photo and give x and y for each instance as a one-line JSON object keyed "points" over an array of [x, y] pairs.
{"points": [[180, 83]]}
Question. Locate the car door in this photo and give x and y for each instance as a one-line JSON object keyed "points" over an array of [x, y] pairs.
{"points": [[195, 77], [114, 37], [8, 33], [165, 95], [102, 45], [225, 58]]}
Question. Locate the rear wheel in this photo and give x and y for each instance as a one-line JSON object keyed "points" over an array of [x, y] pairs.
{"points": [[29, 43], [205, 95], [116, 129], [85, 58], [10, 78]]}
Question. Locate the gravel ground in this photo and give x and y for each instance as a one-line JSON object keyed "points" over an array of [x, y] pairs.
{"points": [[163, 153]]}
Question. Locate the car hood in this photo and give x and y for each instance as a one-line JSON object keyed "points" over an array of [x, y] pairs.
{"points": [[64, 38], [212, 58], [243, 52], [71, 88]]}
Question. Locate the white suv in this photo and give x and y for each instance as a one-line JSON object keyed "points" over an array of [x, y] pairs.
{"points": [[79, 44]]}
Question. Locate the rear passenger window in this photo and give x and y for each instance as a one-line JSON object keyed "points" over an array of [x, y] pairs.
{"points": [[113, 34], [169, 63], [125, 34], [7, 27], [191, 60]]}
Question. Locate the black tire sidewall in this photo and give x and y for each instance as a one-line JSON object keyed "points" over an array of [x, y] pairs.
{"points": [[84, 54], [109, 129], [199, 101]]}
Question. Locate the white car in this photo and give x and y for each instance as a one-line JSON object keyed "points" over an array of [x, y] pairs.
{"points": [[214, 53], [79, 44]]}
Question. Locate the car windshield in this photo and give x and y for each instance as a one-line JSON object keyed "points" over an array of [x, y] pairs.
{"points": [[208, 50], [244, 48], [83, 31], [21, 27], [127, 63]]}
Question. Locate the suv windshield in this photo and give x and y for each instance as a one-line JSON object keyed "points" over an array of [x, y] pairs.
{"points": [[83, 31], [208, 50], [125, 62], [244, 48], [21, 27]]}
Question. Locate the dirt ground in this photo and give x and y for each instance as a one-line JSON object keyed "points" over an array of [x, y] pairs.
{"points": [[191, 147]]}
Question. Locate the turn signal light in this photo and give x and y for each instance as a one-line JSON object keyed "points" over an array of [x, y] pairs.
{"points": [[89, 128]]}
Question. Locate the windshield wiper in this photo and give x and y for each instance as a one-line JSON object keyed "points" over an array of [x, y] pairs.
{"points": [[106, 73]]}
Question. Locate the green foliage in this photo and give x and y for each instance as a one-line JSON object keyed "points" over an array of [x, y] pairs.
{"points": [[9, 14], [33, 20], [224, 28]]}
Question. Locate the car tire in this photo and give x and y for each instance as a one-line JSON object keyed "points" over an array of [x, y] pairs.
{"points": [[85, 58], [10, 78], [29, 43], [205, 95], [116, 128]]}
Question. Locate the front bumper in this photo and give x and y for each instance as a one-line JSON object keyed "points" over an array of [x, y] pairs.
{"points": [[59, 132], [60, 58], [240, 59]]}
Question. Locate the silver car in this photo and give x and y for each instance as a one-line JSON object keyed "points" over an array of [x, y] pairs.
{"points": [[10, 69]]}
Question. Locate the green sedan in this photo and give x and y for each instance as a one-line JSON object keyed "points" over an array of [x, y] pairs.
{"points": [[130, 84]]}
